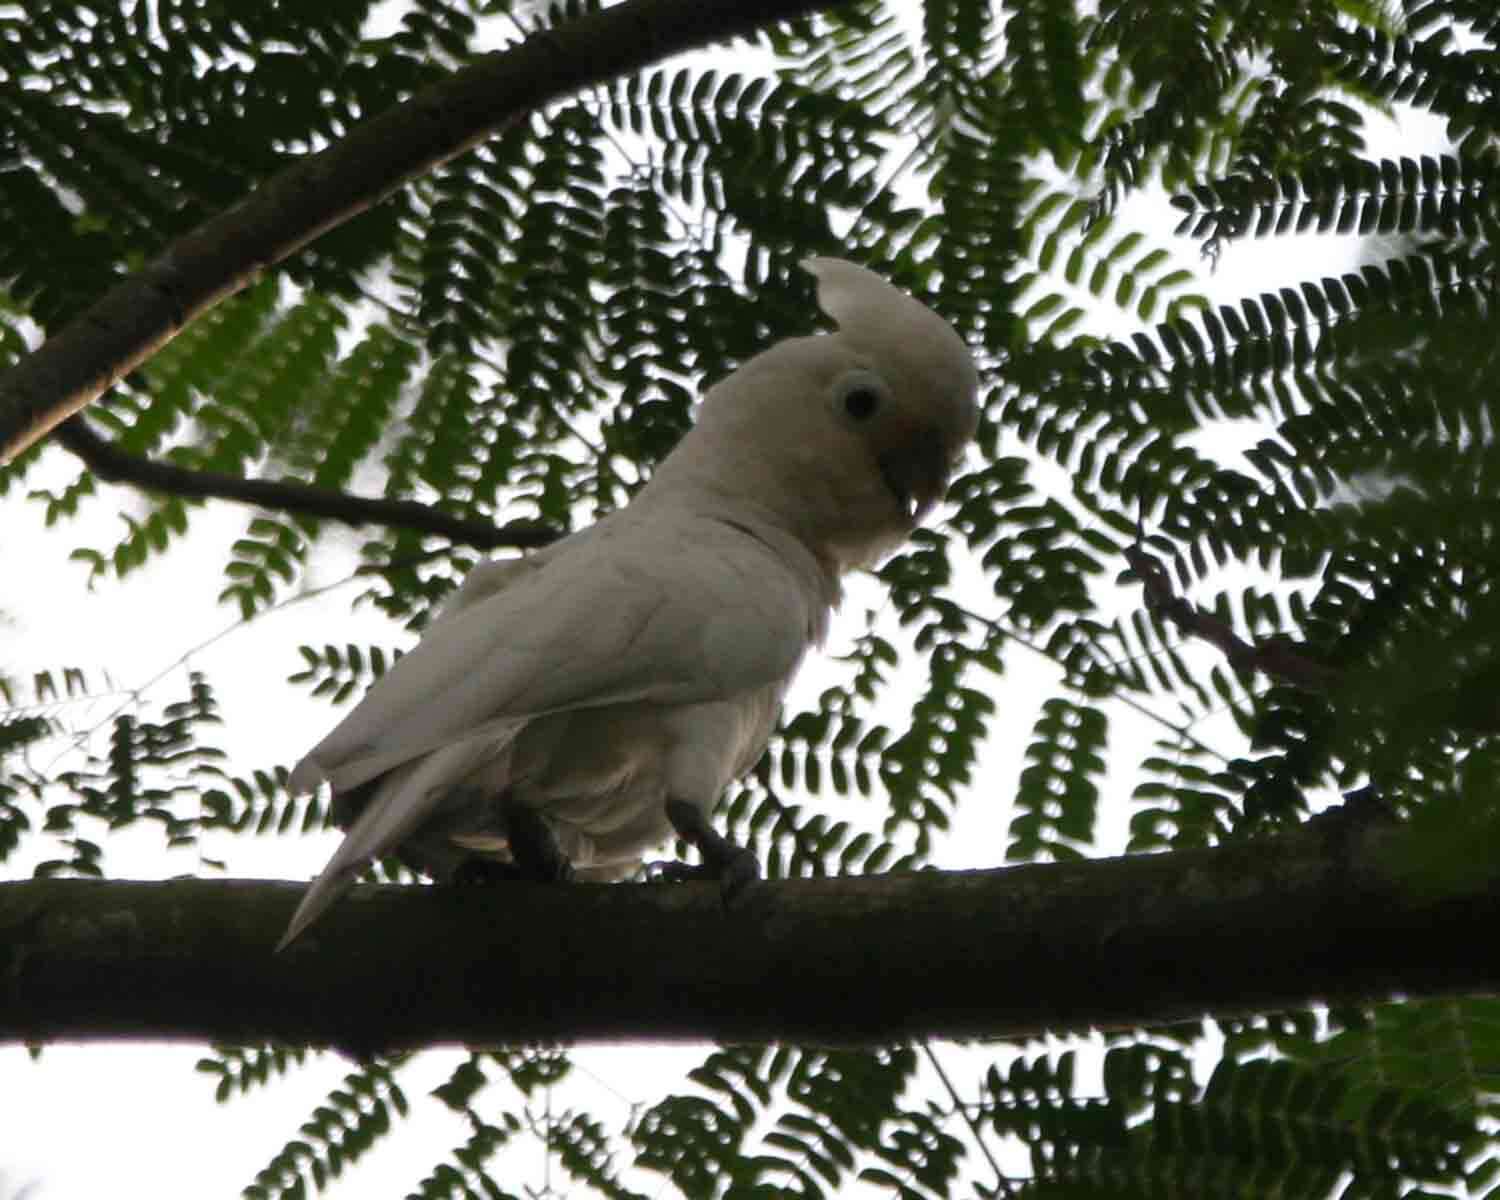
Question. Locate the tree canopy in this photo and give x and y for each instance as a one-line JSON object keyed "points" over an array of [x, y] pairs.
{"points": [[450, 274]]}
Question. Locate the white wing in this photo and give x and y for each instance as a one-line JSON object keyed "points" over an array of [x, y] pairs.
{"points": [[671, 609]]}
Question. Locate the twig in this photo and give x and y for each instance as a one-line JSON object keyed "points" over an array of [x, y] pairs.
{"points": [[137, 693], [963, 1110], [1121, 696], [1275, 658], [283, 495]]}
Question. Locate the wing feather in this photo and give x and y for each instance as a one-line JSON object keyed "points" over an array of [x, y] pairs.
{"points": [[667, 611], [406, 798]]}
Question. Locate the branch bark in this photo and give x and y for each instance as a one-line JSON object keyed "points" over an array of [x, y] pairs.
{"points": [[110, 463], [1110, 943], [145, 311]]}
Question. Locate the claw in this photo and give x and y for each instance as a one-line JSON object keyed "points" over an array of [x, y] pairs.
{"points": [[676, 872], [737, 875]]}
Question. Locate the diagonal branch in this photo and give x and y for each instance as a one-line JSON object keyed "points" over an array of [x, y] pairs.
{"points": [[146, 310], [284, 495], [1467, 702], [1275, 658]]}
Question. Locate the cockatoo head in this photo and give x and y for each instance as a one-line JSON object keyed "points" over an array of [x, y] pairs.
{"points": [[914, 405], [849, 438]]}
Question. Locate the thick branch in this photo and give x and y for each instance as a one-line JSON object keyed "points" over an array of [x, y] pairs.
{"points": [[285, 495], [1109, 943], [1274, 657], [145, 311]]}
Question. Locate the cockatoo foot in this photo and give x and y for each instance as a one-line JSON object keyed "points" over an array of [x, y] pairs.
{"points": [[533, 846], [733, 866], [535, 855]]}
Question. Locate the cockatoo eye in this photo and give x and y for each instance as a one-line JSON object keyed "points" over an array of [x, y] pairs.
{"points": [[859, 396], [861, 403]]}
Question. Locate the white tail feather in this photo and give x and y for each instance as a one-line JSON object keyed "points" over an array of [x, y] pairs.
{"points": [[403, 801]]}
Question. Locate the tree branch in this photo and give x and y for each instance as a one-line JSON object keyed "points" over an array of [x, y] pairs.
{"points": [[1275, 658], [284, 495], [1112, 943], [145, 311], [1468, 702]]}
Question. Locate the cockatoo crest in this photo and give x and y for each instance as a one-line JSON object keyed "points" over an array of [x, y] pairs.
{"points": [[885, 322]]}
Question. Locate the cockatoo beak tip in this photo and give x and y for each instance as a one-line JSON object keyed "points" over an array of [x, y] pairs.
{"points": [[917, 473]]}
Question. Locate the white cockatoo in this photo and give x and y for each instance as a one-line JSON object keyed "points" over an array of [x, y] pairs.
{"points": [[571, 709]]}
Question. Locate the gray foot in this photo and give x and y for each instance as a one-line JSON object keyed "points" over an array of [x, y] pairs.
{"points": [[733, 866]]}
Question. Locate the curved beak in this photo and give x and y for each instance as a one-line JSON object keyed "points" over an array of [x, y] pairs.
{"points": [[917, 472]]}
